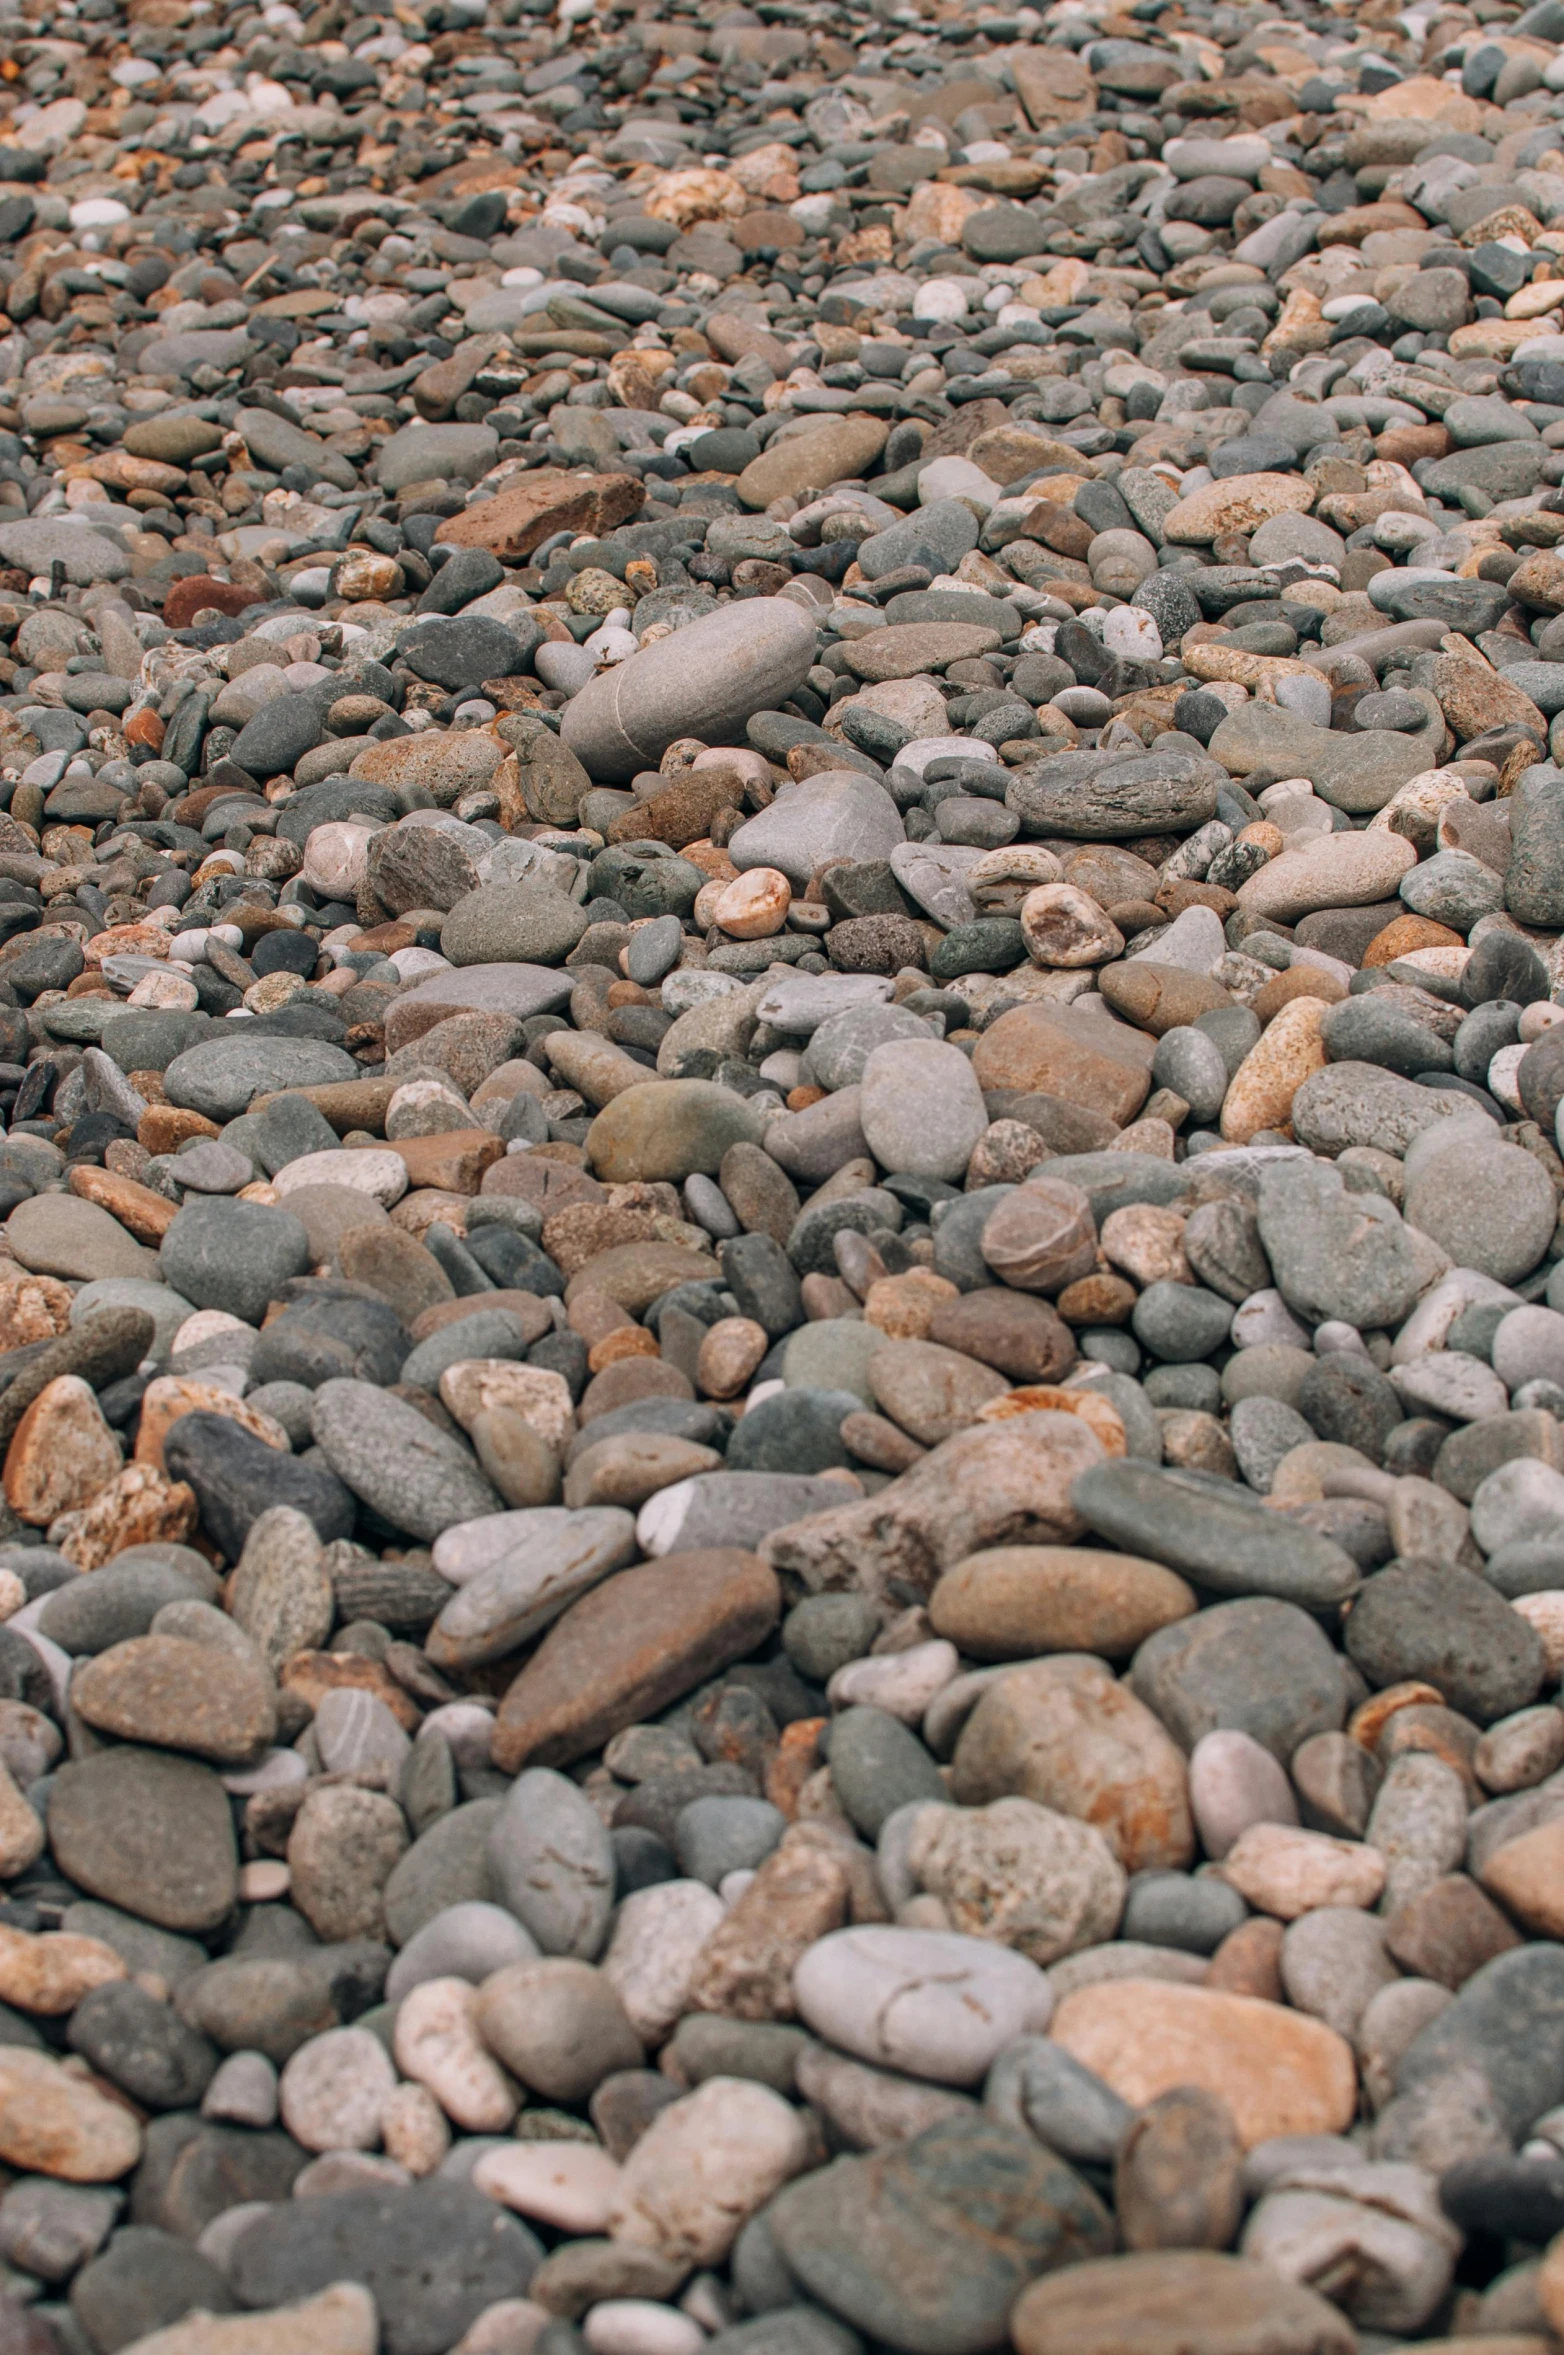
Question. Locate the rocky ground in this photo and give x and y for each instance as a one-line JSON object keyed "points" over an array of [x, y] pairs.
{"points": [[781, 1301]]}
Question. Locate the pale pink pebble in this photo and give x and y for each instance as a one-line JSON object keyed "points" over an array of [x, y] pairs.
{"points": [[569, 2185], [1545, 1612], [513, 2326], [266, 1880], [1235, 1782], [413, 2129], [639, 2326]]}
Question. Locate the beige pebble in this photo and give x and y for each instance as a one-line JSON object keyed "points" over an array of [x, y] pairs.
{"points": [[437, 2044]]}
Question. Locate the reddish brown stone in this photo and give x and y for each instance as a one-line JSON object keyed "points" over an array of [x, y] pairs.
{"points": [[1403, 934], [630, 1648], [514, 522], [1403, 445], [629, 1379], [142, 1213], [454, 1163], [1299, 981], [163, 1128], [186, 598]]}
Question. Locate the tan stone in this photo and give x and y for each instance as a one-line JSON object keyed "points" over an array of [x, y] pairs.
{"points": [[1241, 503], [1160, 998], [1538, 581], [989, 1486], [697, 192], [63, 1454], [1039, 1048], [1147, 1242], [179, 1695], [1278, 2071], [704, 2166], [32, 1308], [1014, 1602], [731, 1351], [1054, 89], [453, 1163], [341, 2321], [1239, 667], [754, 905], [938, 210], [1275, 1068], [1180, 2302], [476, 1386], [1063, 1733], [21, 1830], [930, 1392], [51, 1972], [835, 451], [53, 2122], [1064, 926], [1526, 1875], [1042, 1236], [1474, 697], [1336, 871]]}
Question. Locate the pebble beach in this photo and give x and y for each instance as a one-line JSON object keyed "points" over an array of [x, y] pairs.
{"points": [[781, 1153]]}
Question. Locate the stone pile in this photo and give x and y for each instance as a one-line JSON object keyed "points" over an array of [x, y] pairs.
{"points": [[781, 1285]]}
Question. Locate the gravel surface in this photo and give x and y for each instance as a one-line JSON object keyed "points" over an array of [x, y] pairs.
{"points": [[781, 1286]]}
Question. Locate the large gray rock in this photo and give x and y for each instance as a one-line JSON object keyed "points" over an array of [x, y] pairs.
{"points": [[46, 540], [706, 680], [1357, 772], [272, 441], [222, 1076], [838, 814], [1114, 796], [431, 453], [400, 1465]]}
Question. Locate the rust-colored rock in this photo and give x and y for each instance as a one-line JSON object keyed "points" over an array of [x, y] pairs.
{"points": [[142, 1213], [187, 598], [518, 519]]}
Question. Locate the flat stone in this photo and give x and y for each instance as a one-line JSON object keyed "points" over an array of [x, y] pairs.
{"points": [[631, 1647], [150, 1833]]}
